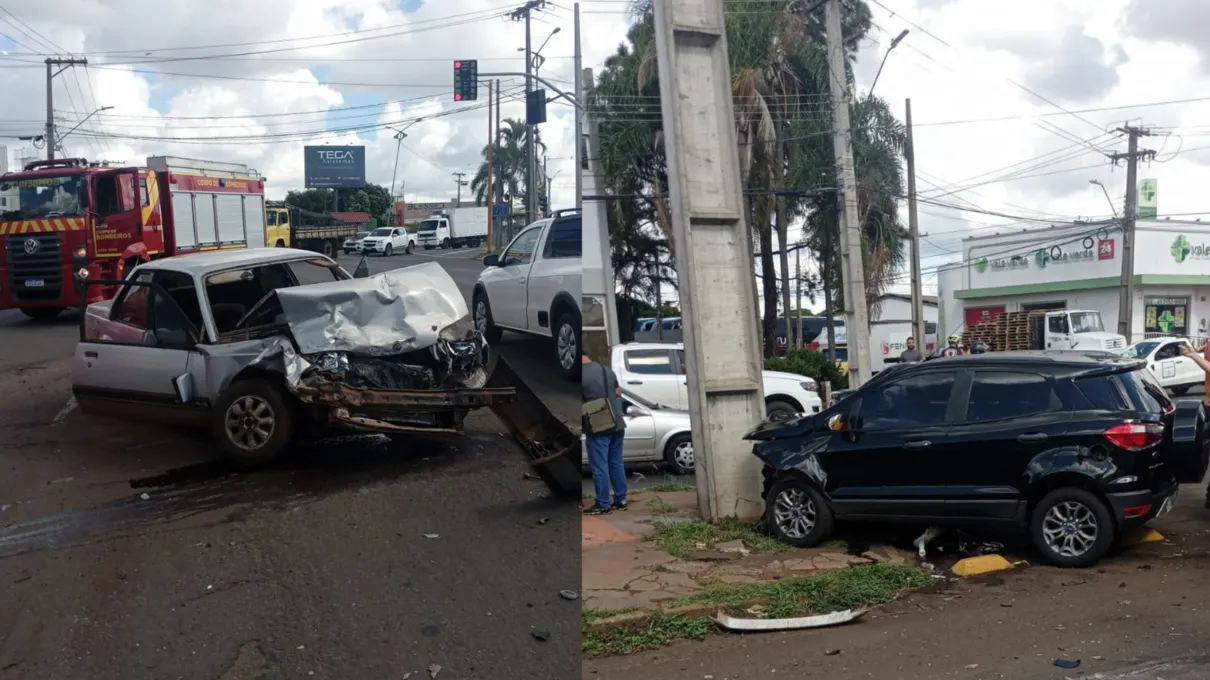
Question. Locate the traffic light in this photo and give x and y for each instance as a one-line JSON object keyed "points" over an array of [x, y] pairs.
{"points": [[535, 107], [466, 80]]}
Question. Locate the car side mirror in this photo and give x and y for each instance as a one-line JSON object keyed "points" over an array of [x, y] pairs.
{"points": [[853, 421], [492, 260], [629, 410]]}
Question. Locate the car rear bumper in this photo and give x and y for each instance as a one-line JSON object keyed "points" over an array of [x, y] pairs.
{"points": [[1135, 508]]}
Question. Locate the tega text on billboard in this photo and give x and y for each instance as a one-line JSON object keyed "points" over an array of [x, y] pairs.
{"points": [[334, 167]]}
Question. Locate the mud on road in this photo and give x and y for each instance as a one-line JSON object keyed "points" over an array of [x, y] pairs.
{"points": [[135, 553]]}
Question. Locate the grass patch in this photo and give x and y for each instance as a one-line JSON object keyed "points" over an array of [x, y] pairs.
{"points": [[670, 487], [681, 538], [661, 630], [817, 594], [659, 507], [831, 591], [591, 614]]}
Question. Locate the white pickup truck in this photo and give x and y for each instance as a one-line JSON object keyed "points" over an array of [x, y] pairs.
{"points": [[1174, 372], [387, 241], [533, 287], [656, 372]]}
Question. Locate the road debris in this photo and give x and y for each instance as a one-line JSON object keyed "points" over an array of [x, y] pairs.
{"points": [[569, 595], [971, 666], [540, 635], [432, 535], [1064, 663], [922, 540], [145, 496], [434, 669], [794, 623], [831, 652], [544, 520]]}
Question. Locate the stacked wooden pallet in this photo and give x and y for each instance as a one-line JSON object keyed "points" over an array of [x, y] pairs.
{"points": [[1008, 331]]}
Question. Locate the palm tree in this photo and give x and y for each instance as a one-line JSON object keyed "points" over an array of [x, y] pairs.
{"points": [[508, 162]]}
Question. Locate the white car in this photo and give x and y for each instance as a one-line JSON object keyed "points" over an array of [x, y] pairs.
{"points": [[1174, 372], [656, 372], [654, 434], [353, 243], [387, 241], [533, 287]]}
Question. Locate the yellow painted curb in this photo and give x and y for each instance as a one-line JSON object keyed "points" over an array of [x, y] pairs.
{"points": [[1139, 536], [983, 564]]}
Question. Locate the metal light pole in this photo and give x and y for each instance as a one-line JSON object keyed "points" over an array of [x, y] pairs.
{"points": [[400, 135], [894, 43], [83, 120], [1107, 198]]}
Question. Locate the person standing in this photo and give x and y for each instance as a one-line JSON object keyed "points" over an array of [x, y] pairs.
{"points": [[1203, 363], [1205, 352], [910, 355], [604, 433]]}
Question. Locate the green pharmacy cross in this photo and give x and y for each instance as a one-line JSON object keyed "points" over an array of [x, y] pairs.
{"points": [[1181, 248], [1166, 321]]}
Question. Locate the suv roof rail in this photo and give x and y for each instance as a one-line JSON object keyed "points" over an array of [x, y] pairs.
{"points": [[565, 211]]}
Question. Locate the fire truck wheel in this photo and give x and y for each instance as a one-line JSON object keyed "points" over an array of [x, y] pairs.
{"points": [[42, 313], [253, 422]]}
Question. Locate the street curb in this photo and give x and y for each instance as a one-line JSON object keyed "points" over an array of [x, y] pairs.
{"points": [[639, 619]]}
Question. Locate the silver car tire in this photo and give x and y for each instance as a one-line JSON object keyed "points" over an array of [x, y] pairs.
{"points": [[678, 454], [253, 422]]}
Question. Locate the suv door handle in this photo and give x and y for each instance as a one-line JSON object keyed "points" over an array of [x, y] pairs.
{"points": [[1033, 437], [88, 354], [634, 382], [918, 444]]}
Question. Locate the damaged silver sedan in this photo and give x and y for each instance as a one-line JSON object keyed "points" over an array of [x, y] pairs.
{"points": [[264, 345]]}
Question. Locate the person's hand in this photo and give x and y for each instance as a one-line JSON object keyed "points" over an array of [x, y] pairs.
{"points": [[1188, 351]]}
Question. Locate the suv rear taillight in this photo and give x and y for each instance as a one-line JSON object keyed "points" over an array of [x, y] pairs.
{"points": [[1135, 436]]}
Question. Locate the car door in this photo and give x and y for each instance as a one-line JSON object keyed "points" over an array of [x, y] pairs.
{"points": [[638, 443], [1187, 371], [559, 254], [884, 464], [126, 365], [507, 284], [1010, 418], [649, 372], [1165, 363]]}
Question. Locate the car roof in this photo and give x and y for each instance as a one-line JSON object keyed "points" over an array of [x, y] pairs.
{"points": [[1073, 359], [200, 264]]}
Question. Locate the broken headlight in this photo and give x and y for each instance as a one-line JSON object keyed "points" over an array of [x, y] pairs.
{"points": [[331, 362], [463, 351]]}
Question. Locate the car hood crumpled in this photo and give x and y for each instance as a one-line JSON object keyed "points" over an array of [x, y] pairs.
{"points": [[384, 314]]}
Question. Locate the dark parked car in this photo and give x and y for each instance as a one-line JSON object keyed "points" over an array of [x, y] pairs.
{"points": [[1069, 447]]}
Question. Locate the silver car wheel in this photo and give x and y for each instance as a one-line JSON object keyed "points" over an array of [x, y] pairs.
{"points": [[1070, 529], [250, 422], [682, 455], [794, 513], [567, 347], [481, 317]]}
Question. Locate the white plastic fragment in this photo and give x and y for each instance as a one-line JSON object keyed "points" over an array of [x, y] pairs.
{"points": [[793, 623]]}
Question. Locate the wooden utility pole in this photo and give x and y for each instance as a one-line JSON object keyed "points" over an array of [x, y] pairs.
{"points": [[914, 230], [1129, 216], [722, 350], [491, 149], [857, 321]]}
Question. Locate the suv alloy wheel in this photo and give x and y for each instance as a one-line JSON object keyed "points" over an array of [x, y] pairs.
{"points": [[796, 513], [1071, 527]]}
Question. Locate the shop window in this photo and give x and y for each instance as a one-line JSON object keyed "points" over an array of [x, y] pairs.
{"points": [[1167, 315]]}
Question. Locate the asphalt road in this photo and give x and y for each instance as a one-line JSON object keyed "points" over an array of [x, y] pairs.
{"points": [[133, 553]]}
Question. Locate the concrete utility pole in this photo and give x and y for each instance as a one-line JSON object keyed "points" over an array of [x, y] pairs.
{"points": [[491, 152], [508, 208], [579, 133], [914, 229], [1130, 213], [598, 304], [857, 321], [524, 13], [797, 300], [458, 181], [64, 64], [718, 300]]}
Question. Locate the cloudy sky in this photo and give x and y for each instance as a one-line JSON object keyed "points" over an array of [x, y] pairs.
{"points": [[254, 82], [1014, 103], [1060, 75]]}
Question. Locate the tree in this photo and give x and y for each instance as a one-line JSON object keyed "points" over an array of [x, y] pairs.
{"points": [[373, 199], [781, 84], [509, 160]]}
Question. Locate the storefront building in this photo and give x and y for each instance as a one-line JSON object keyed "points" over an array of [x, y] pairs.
{"points": [[1079, 266]]}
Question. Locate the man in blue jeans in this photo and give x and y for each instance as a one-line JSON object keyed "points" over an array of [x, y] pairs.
{"points": [[598, 381]]}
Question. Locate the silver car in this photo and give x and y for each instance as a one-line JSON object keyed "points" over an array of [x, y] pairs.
{"points": [[262, 344], [353, 243], [655, 434]]}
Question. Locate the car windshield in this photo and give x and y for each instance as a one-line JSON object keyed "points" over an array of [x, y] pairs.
{"points": [[1140, 350], [1086, 322], [44, 197], [381, 232], [361, 234], [427, 225]]}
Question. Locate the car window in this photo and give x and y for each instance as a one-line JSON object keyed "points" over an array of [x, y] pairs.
{"points": [[996, 395], [1056, 324], [914, 401], [307, 272], [1145, 393], [648, 361], [521, 250], [565, 239], [1104, 392], [180, 288], [132, 306], [1170, 350]]}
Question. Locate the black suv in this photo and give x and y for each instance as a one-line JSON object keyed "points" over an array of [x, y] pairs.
{"points": [[1069, 446]]}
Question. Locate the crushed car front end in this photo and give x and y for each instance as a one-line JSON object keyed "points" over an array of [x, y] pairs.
{"points": [[392, 352]]}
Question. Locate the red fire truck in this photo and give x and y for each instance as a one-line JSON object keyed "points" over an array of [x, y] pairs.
{"points": [[69, 220]]}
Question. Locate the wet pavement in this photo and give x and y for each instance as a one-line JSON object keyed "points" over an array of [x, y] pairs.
{"points": [[135, 553]]}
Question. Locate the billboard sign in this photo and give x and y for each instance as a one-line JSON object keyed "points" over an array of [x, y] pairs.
{"points": [[334, 167]]}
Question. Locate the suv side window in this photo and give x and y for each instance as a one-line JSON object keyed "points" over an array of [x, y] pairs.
{"points": [[914, 401], [998, 395], [1104, 392], [521, 250], [649, 361], [1169, 351]]}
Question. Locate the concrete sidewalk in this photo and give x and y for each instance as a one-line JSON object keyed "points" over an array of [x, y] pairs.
{"points": [[623, 571]]}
